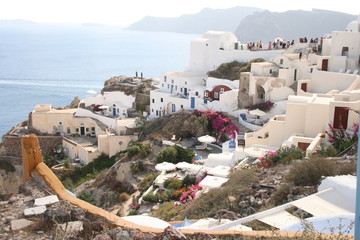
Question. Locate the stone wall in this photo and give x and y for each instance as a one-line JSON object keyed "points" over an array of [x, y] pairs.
{"points": [[11, 145], [244, 99]]}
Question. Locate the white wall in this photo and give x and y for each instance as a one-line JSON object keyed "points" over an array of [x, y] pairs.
{"points": [[110, 122], [279, 94], [323, 82]]}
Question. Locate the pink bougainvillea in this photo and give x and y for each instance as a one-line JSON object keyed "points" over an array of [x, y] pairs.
{"points": [[188, 193], [219, 124]]}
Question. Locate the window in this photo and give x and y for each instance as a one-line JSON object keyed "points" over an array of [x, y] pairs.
{"points": [[196, 94], [182, 106], [164, 78], [68, 130], [118, 110], [93, 129], [172, 80], [60, 123], [153, 100], [152, 110], [161, 100], [270, 71], [222, 90], [168, 86], [77, 130], [175, 87], [180, 89], [185, 83], [216, 95], [87, 129], [206, 94], [157, 112], [162, 85], [345, 51], [281, 61], [311, 70]]}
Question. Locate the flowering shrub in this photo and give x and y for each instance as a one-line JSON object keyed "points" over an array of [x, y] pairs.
{"points": [[283, 155], [340, 139], [219, 124], [187, 194]]}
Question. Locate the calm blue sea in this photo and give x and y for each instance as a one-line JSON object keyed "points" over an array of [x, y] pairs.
{"points": [[53, 63]]}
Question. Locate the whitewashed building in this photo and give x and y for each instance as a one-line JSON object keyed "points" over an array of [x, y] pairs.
{"points": [[192, 89], [323, 97]]}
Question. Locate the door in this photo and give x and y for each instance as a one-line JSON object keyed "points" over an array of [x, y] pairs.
{"points": [[341, 117], [173, 108], [324, 65], [82, 131], [114, 112], [295, 73], [303, 146], [192, 102], [172, 89], [304, 87], [185, 92]]}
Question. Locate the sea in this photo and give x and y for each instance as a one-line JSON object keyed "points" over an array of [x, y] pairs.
{"points": [[50, 64]]}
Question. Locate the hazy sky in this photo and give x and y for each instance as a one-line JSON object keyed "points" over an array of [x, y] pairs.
{"points": [[120, 12]]}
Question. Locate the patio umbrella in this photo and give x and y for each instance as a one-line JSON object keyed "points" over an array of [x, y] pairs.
{"points": [[206, 139], [165, 166], [257, 112], [103, 107], [183, 165]]}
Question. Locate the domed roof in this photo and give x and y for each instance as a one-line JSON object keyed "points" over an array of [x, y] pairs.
{"points": [[353, 26]]}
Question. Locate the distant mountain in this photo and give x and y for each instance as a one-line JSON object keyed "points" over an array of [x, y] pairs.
{"points": [[266, 26], [207, 19], [15, 21]]}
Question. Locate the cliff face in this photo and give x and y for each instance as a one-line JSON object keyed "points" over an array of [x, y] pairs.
{"points": [[266, 26], [207, 19]]}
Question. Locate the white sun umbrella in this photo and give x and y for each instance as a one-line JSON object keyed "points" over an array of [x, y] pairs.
{"points": [[206, 139], [257, 112], [103, 107], [183, 165], [165, 166]]}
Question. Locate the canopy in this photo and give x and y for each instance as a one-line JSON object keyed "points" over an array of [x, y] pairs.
{"points": [[220, 171], [257, 112], [165, 166], [183, 165], [206, 139], [103, 107]]}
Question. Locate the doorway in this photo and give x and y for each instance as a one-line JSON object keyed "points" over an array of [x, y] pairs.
{"points": [[325, 63]]}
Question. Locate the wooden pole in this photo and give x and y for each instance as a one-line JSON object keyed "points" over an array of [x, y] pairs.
{"points": [[31, 154]]}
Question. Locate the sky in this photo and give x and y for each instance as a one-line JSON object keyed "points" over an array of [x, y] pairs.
{"points": [[125, 12]]}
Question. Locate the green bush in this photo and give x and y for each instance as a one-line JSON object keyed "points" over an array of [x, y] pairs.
{"points": [[328, 151], [86, 196], [136, 167], [145, 150], [173, 184], [133, 150], [90, 171], [146, 182], [7, 166], [218, 198], [284, 155], [159, 197], [310, 172], [123, 197], [132, 212], [188, 181], [175, 154], [168, 211]]}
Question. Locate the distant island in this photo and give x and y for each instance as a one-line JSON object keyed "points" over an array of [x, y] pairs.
{"points": [[205, 20], [251, 24]]}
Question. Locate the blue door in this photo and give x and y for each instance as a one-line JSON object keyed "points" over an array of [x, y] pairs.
{"points": [[205, 101], [192, 102], [173, 109], [114, 112]]}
